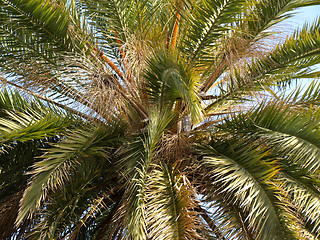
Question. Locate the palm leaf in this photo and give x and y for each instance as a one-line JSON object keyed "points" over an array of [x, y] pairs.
{"points": [[60, 162], [300, 48], [24, 120], [168, 81], [57, 21], [293, 134], [137, 157], [305, 199], [245, 41], [170, 206], [243, 178], [210, 21]]}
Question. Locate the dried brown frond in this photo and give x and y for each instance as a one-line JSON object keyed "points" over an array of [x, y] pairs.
{"points": [[104, 96], [234, 52], [238, 51], [172, 147], [137, 51]]}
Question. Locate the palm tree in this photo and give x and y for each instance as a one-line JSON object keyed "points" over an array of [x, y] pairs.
{"points": [[158, 119]]}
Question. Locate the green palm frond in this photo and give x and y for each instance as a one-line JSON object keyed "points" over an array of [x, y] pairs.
{"points": [[16, 159], [305, 200], [229, 221], [118, 24], [305, 98], [296, 53], [13, 101], [168, 82], [71, 204], [289, 61], [292, 133], [25, 127], [51, 21], [267, 13], [36, 39], [137, 157], [210, 20], [116, 16], [23, 120], [242, 175], [112, 22], [62, 160], [171, 205], [243, 38]]}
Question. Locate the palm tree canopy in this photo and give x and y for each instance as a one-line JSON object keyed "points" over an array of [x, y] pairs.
{"points": [[158, 119]]}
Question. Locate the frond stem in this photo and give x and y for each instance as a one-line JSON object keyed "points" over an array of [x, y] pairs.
{"points": [[175, 29], [213, 77], [112, 65]]}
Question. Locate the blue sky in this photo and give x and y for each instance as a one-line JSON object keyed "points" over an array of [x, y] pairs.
{"points": [[307, 14]]}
